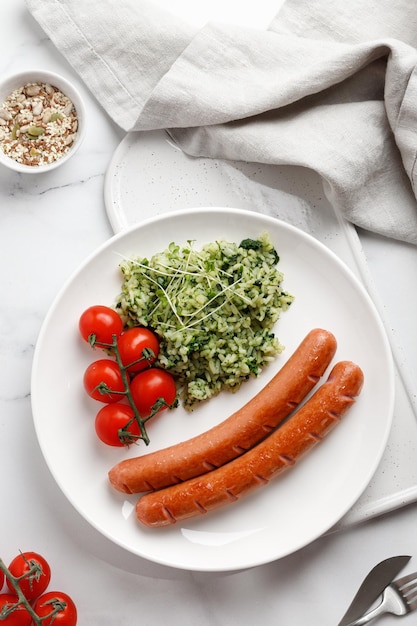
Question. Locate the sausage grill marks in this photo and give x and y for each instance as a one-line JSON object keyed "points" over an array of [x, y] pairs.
{"points": [[255, 468], [238, 433]]}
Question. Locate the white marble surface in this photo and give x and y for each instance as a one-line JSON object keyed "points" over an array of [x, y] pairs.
{"points": [[48, 225]]}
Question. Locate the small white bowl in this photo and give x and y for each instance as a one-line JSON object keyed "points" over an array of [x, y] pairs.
{"points": [[15, 81]]}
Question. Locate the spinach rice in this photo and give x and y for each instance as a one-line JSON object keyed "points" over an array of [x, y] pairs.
{"points": [[213, 309]]}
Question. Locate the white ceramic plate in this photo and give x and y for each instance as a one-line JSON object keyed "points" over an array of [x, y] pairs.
{"points": [[297, 507]]}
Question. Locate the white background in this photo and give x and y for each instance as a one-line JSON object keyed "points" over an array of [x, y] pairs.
{"points": [[48, 225]]}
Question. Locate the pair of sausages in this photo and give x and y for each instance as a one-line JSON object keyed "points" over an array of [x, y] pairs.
{"points": [[238, 433], [247, 449]]}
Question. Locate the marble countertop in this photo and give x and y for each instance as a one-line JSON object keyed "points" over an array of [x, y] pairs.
{"points": [[49, 224]]}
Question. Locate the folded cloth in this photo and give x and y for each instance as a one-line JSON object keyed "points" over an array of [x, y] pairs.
{"points": [[330, 86]]}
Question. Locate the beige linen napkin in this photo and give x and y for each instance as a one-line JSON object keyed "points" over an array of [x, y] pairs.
{"points": [[331, 86]]}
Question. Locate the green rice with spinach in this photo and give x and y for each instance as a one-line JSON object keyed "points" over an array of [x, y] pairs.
{"points": [[213, 309]]}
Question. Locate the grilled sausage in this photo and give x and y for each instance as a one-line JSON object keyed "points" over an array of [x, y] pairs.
{"points": [[238, 433], [279, 451]]}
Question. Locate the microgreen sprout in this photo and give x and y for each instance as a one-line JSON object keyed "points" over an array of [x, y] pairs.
{"points": [[220, 279]]}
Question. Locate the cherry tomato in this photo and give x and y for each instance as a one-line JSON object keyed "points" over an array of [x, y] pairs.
{"points": [[101, 321], [134, 344], [150, 385], [34, 584], [107, 372], [110, 419], [60, 604], [19, 616], [1, 580]]}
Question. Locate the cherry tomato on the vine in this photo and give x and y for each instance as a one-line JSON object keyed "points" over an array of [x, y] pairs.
{"points": [[113, 417], [1, 580], [138, 344], [19, 616], [107, 372], [149, 386], [59, 603], [36, 583], [101, 321]]}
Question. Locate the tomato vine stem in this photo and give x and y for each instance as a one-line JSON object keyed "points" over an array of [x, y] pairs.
{"points": [[147, 354], [35, 570]]}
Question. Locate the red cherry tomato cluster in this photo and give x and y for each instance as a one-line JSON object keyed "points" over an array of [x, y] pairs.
{"points": [[128, 384], [26, 597]]}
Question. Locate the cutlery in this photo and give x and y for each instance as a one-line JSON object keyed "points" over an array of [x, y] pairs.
{"points": [[372, 587], [399, 598]]}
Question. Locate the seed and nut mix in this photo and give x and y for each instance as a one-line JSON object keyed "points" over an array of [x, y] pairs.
{"points": [[38, 124]]}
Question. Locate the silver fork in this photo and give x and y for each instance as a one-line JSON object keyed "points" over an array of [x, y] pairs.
{"points": [[399, 598]]}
